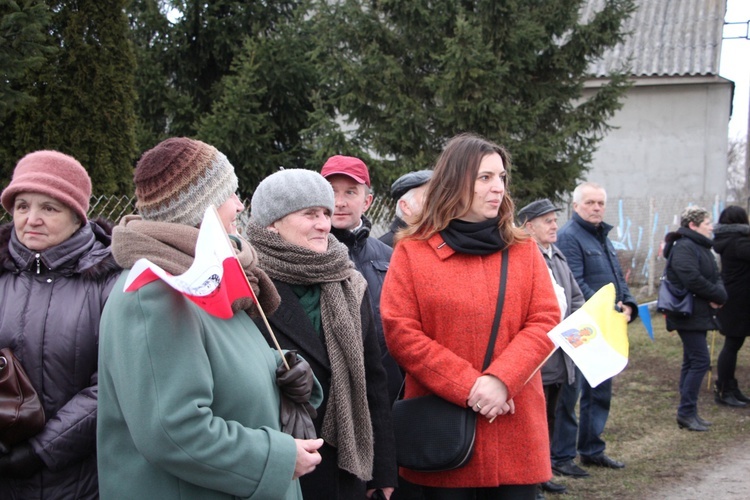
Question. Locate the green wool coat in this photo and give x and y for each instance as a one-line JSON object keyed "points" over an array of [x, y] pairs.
{"points": [[188, 405]]}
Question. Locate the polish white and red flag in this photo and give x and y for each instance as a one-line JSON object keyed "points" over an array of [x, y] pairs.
{"points": [[213, 281]]}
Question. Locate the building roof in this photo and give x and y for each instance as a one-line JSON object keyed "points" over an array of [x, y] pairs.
{"points": [[667, 38]]}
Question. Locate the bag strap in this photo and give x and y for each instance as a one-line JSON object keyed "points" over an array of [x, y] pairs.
{"points": [[498, 310], [495, 322]]}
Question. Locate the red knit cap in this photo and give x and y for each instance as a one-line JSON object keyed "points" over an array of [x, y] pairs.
{"points": [[54, 174]]}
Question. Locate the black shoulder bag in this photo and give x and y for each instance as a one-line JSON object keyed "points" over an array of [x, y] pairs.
{"points": [[433, 434], [673, 299]]}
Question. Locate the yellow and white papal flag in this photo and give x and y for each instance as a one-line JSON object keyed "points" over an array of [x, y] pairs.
{"points": [[595, 337]]}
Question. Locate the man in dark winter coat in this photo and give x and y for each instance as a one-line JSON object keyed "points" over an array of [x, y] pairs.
{"points": [[592, 258], [350, 180], [408, 191], [539, 219]]}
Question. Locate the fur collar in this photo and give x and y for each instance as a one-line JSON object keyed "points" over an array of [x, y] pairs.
{"points": [[100, 268]]}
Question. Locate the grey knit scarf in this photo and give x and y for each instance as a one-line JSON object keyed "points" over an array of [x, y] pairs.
{"points": [[347, 424], [172, 247]]}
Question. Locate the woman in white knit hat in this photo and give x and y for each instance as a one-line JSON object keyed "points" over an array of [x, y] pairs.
{"points": [[325, 315]]}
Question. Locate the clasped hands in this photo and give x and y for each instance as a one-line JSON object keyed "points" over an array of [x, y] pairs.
{"points": [[489, 398]]}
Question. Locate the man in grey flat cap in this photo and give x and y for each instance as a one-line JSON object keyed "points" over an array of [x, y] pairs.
{"points": [[539, 219], [408, 191]]}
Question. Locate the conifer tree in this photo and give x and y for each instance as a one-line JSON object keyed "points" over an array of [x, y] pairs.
{"points": [[410, 75], [84, 94], [264, 107], [22, 48]]}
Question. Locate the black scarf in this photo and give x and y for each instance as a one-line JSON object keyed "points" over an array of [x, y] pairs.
{"points": [[474, 238]]}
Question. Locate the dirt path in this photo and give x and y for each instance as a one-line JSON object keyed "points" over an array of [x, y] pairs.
{"points": [[727, 477]]}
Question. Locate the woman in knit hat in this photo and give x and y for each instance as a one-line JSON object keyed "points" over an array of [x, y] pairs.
{"points": [[325, 315], [691, 266], [56, 272], [188, 402]]}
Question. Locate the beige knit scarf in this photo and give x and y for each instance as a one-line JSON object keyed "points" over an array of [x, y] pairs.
{"points": [[346, 424], [172, 247]]}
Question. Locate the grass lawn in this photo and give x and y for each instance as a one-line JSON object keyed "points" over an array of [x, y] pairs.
{"points": [[642, 430]]}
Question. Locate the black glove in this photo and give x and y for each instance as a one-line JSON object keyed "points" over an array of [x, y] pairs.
{"points": [[296, 385], [21, 462]]}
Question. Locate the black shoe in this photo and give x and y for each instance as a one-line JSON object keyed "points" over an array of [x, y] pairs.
{"points": [[703, 422], [602, 460], [551, 487], [568, 468], [691, 424], [724, 395], [737, 393]]}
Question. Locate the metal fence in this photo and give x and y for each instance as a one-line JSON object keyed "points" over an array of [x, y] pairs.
{"points": [[640, 226], [113, 208]]}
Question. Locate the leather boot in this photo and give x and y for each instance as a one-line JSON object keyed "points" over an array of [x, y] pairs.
{"points": [[737, 393], [702, 421], [723, 395], [691, 424]]}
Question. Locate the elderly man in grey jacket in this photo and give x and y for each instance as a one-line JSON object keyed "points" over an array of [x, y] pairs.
{"points": [[539, 219]]}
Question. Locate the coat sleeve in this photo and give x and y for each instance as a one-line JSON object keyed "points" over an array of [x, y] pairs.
{"points": [[622, 286], [573, 251], [685, 264], [742, 248], [163, 380], [576, 295], [70, 435]]}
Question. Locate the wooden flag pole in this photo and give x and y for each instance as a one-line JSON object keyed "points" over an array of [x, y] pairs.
{"points": [[711, 358], [255, 299]]}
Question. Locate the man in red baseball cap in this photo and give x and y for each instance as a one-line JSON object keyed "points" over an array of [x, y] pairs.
{"points": [[350, 180]]}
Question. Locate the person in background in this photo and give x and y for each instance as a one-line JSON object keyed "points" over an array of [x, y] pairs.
{"points": [[189, 405], [325, 315], [732, 243], [691, 266], [408, 191], [539, 219], [439, 300], [591, 257], [56, 273], [350, 180]]}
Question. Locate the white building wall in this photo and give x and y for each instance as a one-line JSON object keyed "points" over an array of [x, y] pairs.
{"points": [[670, 139]]}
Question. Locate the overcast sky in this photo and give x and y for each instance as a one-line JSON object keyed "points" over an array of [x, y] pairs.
{"points": [[735, 64]]}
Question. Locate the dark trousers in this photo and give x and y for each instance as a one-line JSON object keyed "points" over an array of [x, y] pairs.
{"points": [[563, 442], [551, 397], [507, 492], [695, 364], [727, 362], [594, 409], [594, 412]]}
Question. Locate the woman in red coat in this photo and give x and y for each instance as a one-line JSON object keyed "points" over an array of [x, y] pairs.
{"points": [[438, 303]]}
